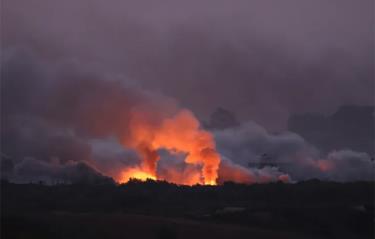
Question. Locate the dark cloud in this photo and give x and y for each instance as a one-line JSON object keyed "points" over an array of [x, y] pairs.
{"points": [[54, 111], [69, 115], [27, 136], [112, 157], [221, 119], [349, 127], [32, 170], [251, 146], [261, 60]]}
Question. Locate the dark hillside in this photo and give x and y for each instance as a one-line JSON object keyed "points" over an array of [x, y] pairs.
{"points": [[162, 210]]}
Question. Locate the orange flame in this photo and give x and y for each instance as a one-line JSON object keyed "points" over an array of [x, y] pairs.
{"points": [[180, 133], [135, 173]]}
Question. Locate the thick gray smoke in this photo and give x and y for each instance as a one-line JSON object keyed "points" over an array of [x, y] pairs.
{"points": [[234, 172], [72, 71], [263, 60], [250, 145], [349, 127], [31, 170], [57, 111]]}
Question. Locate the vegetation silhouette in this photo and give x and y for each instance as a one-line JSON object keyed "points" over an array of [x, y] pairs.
{"points": [[158, 209]]}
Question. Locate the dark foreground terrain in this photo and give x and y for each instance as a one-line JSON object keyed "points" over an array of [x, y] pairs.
{"points": [[309, 209]]}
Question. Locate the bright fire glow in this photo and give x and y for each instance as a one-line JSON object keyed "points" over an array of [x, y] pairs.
{"points": [[180, 133], [135, 173]]}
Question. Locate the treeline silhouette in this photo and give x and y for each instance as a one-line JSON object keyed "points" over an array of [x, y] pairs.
{"points": [[323, 209]]}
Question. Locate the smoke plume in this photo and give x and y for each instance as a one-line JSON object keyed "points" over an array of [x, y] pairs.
{"points": [[262, 60], [74, 75], [65, 107], [250, 145]]}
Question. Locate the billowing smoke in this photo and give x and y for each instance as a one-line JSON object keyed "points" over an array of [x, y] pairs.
{"points": [[32, 170], [346, 165], [60, 118], [46, 112], [351, 126], [263, 60], [231, 172], [250, 145]]}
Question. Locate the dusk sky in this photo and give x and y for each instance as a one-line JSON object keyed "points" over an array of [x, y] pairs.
{"points": [[263, 60], [290, 80], [181, 119]]}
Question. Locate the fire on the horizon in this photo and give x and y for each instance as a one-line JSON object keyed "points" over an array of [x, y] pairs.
{"points": [[179, 134]]}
